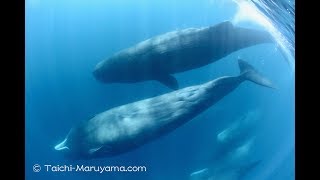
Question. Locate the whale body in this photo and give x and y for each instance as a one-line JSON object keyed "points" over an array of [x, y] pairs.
{"points": [[240, 128], [159, 57], [129, 126], [236, 133]]}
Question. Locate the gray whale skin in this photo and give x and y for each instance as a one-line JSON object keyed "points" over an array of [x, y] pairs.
{"points": [[159, 57], [129, 126]]}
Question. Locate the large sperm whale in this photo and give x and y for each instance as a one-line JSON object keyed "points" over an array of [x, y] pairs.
{"points": [[129, 126], [159, 57]]}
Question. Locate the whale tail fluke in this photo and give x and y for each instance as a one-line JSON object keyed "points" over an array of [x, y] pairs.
{"points": [[250, 73]]}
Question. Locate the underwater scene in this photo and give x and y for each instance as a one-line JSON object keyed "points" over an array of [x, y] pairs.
{"points": [[160, 89]]}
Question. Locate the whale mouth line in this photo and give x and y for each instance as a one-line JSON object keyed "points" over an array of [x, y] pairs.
{"points": [[61, 146]]}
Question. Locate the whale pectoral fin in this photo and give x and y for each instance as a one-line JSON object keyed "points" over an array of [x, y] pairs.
{"points": [[93, 150], [104, 149], [169, 81]]}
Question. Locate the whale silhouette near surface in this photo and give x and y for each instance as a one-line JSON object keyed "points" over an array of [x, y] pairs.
{"points": [[160, 57]]}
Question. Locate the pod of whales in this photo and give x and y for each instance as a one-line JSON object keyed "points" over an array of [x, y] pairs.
{"points": [[160, 57], [121, 129], [236, 144]]}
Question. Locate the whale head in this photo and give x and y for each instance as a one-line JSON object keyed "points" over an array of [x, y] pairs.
{"points": [[65, 148], [115, 69], [82, 143], [103, 72], [62, 146], [74, 153], [73, 146]]}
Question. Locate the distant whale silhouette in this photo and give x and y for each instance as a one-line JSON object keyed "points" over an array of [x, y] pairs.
{"points": [[159, 57], [126, 127], [225, 173], [231, 164], [237, 133], [235, 142], [239, 129]]}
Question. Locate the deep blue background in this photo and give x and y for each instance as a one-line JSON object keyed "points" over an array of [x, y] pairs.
{"points": [[64, 41]]}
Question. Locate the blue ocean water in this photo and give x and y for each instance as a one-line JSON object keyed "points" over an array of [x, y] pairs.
{"points": [[66, 39]]}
